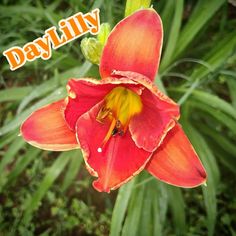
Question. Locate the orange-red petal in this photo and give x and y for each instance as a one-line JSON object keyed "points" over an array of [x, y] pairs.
{"points": [[119, 160], [150, 127], [134, 45], [47, 129], [85, 93], [175, 161], [157, 117]]}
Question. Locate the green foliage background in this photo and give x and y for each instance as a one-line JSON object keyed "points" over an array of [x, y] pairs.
{"points": [[44, 193]]}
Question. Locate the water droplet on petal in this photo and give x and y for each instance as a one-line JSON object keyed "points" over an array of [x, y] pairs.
{"points": [[99, 149]]}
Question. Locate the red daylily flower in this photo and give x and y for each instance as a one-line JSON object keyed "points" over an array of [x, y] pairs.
{"points": [[122, 123]]}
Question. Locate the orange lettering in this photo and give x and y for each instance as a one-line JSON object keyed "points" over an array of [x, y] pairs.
{"points": [[15, 57]]}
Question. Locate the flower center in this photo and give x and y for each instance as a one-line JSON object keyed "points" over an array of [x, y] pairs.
{"points": [[120, 105]]}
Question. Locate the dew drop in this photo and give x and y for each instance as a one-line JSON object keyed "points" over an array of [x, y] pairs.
{"points": [[99, 149]]}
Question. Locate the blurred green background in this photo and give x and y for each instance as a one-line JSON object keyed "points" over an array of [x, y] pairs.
{"points": [[45, 193]]}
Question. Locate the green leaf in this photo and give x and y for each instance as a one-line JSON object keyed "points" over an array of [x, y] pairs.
{"points": [[216, 57], [177, 206], [8, 158], [132, 221], [173, 35], [212, 170], [226, 159], [217, 114], [6, 139], [232, 88], [15, 146], [53, 172], [155, 204], [223, 142], [14, 94], [203, 11], [159, 206], [120, 208], [166, 17], [205, 98], [73, 169], [54, 83], [22, 162], [223, 148]]}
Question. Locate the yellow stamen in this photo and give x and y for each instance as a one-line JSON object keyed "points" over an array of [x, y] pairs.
{"points": [[109, 133], [120, 105]]}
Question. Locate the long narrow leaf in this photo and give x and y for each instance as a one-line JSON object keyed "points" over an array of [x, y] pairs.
{"points": [[120, 208], [173, 36], [53, 172], [177, 205], [203, 11], [209, 163], [73, 169]]}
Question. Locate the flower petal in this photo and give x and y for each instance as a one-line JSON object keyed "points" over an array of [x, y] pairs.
{"points": [[149, 128], [134, 45], [158, 116], [175, 161], [86, 93], [117, 162], [83, 95], [47, 129]]}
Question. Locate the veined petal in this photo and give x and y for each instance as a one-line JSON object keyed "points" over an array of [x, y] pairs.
{"points": [[85, 93], [157, 117], [115, 163], [150, 127], [134, 45], [164, 102], [47, 129], [175, 161]]}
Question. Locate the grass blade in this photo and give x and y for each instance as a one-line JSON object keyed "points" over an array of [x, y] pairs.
{"points": [[120, 208], [211, 167], [173, 36], [203, 11], [8, 157], [21, 164], [232, 89], [177, 206], [14, 94], [217, 56], [132, 220], [53, 172], [73, 169], [211, 100]]}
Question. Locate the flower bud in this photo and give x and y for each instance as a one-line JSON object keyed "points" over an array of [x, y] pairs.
{"points": [[104, 32], [91, 49], [132, 6]]}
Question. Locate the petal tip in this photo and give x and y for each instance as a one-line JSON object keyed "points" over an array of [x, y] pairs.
{"points": [[100, 188], [134, 44]]}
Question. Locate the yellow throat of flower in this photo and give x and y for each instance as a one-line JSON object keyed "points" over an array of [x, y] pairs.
{"points": [[120, 105]]}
